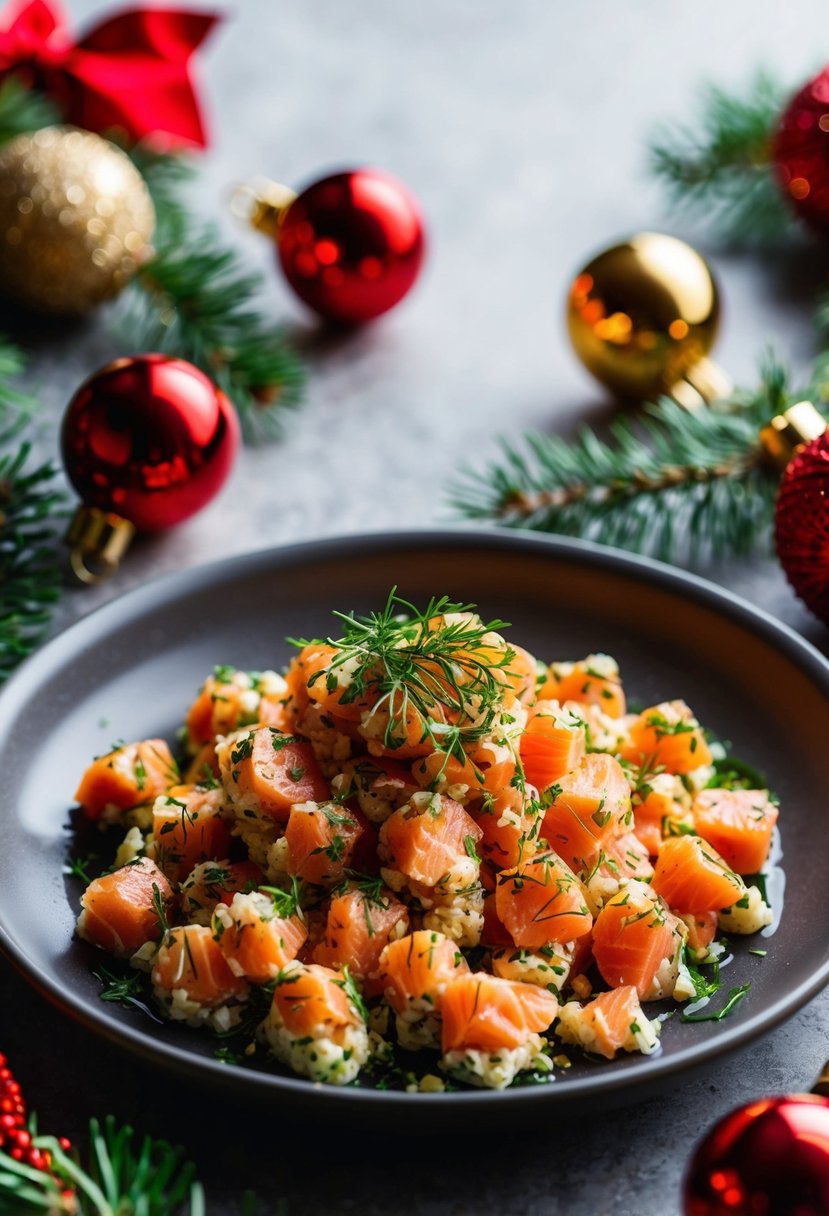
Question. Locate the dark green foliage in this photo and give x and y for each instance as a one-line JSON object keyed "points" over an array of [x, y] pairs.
{"points": [[678, 484], [719, 167], [122, 1178], [193, 300], [30, 506], [22, 110]]}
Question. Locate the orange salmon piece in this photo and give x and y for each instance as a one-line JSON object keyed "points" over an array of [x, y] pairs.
{"points": [[552, 744], [321, 839], [419, 967], [126, 777], [510, 830], [358, 928], [188, 828], [305, 678], [691, 875], [120, 912], [191, 960], [310, 996], [203, 768], [591, 804], [255, 941], [213, 882], [273, 771], [542, 901], [486, 1013], [629, 857], [653, 816], [739, 825], [608, 1022], [592, 681], [668, 735], [521, 674], [702, 929], [425, 839], [632, 937], [223, 706]]}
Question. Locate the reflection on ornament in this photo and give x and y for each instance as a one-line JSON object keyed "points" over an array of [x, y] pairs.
{"points": [[146, 442], [642, 316], [76, 220], [351, 245], [801, 152], [770, 1158]]}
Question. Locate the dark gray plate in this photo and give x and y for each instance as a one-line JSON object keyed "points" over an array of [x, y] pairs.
{"points": [[130, 669]]}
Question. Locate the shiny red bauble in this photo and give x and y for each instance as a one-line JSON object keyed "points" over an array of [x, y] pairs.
{"points": [[801, 524], [801, 152], [770, 1158], [352, 244], [149, 438]]}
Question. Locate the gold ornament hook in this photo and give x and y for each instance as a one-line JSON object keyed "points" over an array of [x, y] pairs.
{"points": [[262, 204], [97, 541], [642, 317], [788, 432]]}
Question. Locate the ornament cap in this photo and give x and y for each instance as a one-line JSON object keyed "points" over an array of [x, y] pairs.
{"points": [[789, 431], [262, 204], [97, 541], [821, 1086]]}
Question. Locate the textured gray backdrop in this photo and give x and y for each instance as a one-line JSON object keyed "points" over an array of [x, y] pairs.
{"points": [[521, 127]]}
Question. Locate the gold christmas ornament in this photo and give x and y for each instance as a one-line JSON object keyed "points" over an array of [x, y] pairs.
{"points": [[76, 220], [643, 316]]}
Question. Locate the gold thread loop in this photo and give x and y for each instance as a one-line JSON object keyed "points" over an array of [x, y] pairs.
{"points": [[97, 541]]}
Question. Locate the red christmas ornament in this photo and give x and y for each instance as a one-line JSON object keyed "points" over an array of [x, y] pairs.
{"points": [[770, 1158], [146, 442], [801, 522], [351, 245], [801, 152]]}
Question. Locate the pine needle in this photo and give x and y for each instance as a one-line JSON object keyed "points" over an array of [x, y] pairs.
{"points": [[122, 1178], [719, 169], [679, 484], [193, 300], [22, 110], [30, 505]]}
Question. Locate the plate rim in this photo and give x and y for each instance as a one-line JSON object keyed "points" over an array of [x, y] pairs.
{"points": [[175, 584]]}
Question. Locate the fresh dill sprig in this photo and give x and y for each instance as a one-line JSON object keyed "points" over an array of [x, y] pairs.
{"points": [[285, 903], [676, 484], [129, 990], [719, 168], [414, 666], [121, 1178]]}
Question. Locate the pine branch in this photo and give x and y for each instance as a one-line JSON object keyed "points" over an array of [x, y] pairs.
{"points": [[121, 1179], [681, 484], [193, 300], [23, 109], [719, 169], [30, 504]]}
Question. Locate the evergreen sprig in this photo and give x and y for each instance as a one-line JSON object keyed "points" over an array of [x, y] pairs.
{"points": [[719, 168], [193, 300], [121, 1179], [22, 109], [676, 484], [30, 505]]}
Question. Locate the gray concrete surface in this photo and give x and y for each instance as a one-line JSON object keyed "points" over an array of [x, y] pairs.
{"points": [[521, 126]]}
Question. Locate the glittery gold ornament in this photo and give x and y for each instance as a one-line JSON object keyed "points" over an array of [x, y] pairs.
{"points": [[76, 220], [643, 316]]}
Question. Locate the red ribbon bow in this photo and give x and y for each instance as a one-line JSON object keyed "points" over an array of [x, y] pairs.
{"points": [[128, 73]]}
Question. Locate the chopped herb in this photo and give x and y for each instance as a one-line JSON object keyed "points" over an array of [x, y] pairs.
{"points": [[469, 845], [734, 998]]}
